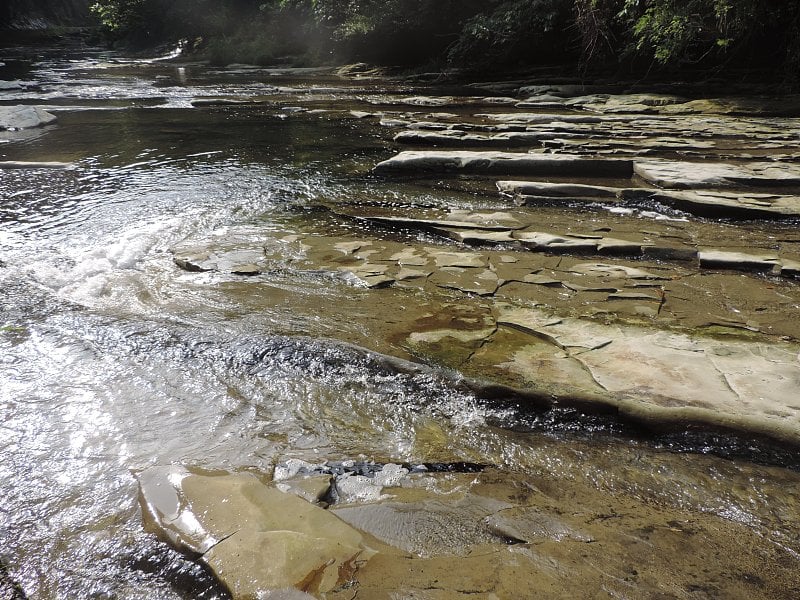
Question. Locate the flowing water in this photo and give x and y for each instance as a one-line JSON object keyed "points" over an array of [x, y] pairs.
{"points": [[113, 359]]}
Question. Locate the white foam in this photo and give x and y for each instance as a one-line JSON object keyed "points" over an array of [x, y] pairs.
{"points": [[107, 269]]}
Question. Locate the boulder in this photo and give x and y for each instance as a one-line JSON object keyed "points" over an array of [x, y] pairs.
{"points": [[24, 117]]}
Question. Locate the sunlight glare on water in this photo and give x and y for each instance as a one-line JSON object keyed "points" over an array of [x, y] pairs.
{"points": [[114, 360]]}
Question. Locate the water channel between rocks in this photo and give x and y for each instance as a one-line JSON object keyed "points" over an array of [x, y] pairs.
{"points": [[208, 278]]}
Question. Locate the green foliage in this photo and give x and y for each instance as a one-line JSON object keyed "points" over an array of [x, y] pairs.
{"points": [[514, 31], [595, 22], [672, 31], [480, 34], [156, 21], [118, 15]]}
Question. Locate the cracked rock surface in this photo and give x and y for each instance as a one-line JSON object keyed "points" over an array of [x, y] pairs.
{"points": [[448, 535], [634, 255]]}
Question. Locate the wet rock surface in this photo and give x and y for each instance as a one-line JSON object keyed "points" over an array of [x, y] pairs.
{"points": [[455, 535], [647, 364], [253, 537], [559, 251], [9, 589], [642, 262]]}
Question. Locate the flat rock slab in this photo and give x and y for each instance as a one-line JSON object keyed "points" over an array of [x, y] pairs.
{"points": [[706, 203], [686, 175], [747, 261], [457, 138], [503, 163], [254, 538], [541, 241], [19, 164], [450, 223], [24, 117], [557, 190], [430, 525], [732, 204], [665, 376]]}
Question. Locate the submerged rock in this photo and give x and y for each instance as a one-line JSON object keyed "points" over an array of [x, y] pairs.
{"points": [[18, 164], [492, 534]]}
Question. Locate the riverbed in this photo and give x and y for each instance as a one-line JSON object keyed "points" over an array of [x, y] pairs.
{"points": [[118, 357]]}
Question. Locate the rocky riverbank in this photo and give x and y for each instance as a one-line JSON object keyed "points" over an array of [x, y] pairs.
{"points": [[477, 261], [643, 260], [313, 533]]}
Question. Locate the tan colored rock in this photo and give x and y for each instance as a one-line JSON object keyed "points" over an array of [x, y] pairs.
{"points": [[502, 163], [682, 175], [256, 539], [726, 259], [477, 237], [252, 563], [732, 204], [429, 223], [531, 525], [609, 270], [540, 241], [310, 488], [561, 190], [452, 138], [458, 259], [427, 526], [662, 376]]}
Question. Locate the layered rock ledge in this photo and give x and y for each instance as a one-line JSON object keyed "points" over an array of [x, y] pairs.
{"points": [[443, 535]]}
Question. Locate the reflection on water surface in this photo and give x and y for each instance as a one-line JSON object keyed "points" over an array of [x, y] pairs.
{"points": [[114, 360]]}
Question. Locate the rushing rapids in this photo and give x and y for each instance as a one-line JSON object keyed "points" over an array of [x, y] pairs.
{"points": [[219, 285]]}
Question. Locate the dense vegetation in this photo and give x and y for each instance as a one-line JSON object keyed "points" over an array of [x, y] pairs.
{"points": [[639, 35], [40, 14]]}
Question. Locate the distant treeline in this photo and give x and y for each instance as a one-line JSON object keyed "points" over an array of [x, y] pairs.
{"points": [[22, 15], [643, 36]]}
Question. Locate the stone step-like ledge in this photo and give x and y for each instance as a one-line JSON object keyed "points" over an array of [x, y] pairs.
{"points": [[502, 163], [703, 203], [19, 164], [689, 175]]}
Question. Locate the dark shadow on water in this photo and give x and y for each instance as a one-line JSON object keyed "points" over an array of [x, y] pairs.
{"points": [[604, 426]]}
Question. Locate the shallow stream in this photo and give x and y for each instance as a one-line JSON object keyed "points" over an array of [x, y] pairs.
{"points": [[114, 359]]}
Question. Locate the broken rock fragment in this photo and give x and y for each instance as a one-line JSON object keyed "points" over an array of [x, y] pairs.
{"points": [[254, 538]]}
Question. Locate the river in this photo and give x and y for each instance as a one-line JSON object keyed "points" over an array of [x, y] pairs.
{"points": [[115, 360]]}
